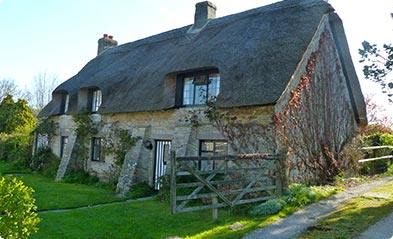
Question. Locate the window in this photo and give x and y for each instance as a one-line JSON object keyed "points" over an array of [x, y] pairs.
{"points": [[63, 145], [95, 100], [211, 148], [42, 140], [65, 100], [96, 149], [200, 87]]}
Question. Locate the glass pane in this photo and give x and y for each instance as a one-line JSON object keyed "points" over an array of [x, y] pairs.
{"points": [[200, 94], [66, 102], [188, 92], [96, 150], [221, 148], [214, 86], [97, 100]]}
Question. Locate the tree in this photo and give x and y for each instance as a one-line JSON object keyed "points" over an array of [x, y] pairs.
{"points": [[18, 215], [376, 113], [9, 87], [41, 88], [15, 116], [378, 65]]}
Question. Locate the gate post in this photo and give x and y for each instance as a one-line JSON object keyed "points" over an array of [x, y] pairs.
{"points": [[173, 182], [214, 210], [279, 181]]}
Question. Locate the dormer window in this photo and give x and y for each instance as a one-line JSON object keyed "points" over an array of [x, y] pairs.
{"points": [[65, 101], [95, 100], [199, 87]]}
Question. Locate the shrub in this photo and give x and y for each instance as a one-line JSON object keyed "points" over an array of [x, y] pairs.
{"points": [[141, 190], [270, 207], [379, 166], [300, 195], [376, 128], [164, 195], [18, 217], [321, 192], [45, 162], [15, 147], [81, 178]]}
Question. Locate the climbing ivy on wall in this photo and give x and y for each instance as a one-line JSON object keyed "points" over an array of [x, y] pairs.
{"points": [[317, 120], [85, 128]]}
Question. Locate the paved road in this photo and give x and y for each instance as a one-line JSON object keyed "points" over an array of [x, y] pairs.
{"points": [[293, 225]]}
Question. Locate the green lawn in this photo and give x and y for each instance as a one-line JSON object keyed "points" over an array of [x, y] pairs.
{"points": [[152, 219], [142, 219], [354, 217], [56, 195]]}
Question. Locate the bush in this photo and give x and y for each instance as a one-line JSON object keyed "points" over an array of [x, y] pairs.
{"points": [[81, 178], [45, 162], [15, 147], [376, 128], [299, 195], [270, 207], [164, 195], [142, 190], [18, 217], [379, 166]]}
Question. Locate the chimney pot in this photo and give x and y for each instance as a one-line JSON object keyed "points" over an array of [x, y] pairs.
{"points": [[106, 42], [203, 12]]}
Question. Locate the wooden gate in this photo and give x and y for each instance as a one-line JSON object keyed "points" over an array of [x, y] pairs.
{"points": [[230, 181]]}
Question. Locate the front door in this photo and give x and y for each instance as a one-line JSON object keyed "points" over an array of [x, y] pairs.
{"points": [[163, 149]]}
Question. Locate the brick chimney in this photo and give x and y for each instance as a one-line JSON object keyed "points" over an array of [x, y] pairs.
{"points": [[105, 42], [203, 12]]}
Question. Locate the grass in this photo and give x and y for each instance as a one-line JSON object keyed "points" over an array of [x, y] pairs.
{"points": [[354, 217], [143, 219], [152, 219], [57, 195]]}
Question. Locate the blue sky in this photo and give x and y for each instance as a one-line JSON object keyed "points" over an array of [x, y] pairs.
{"points": [[60, 36]]}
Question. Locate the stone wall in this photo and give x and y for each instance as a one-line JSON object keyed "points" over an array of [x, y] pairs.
{"points": [[149, 126]]}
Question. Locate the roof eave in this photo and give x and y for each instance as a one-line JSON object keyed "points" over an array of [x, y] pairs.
{"points": [[356, 95]]}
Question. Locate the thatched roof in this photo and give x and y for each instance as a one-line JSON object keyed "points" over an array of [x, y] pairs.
{"points": [[255, 51]]}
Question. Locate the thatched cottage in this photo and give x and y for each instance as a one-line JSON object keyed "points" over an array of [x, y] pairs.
{"points": [[251, 63]]}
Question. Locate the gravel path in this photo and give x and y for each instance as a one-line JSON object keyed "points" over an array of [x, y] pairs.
{"points": [[293, 225]]}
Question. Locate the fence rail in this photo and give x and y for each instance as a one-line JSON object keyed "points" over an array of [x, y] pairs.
{"points": [[199, 183], [378, 153]]}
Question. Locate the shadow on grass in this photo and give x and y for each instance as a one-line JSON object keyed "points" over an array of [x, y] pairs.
{"points": [[351, 219]]}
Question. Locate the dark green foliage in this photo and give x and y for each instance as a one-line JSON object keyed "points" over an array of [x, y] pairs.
{"points": [[141, 190], [81, 178], [45, 162], [15, 147], [378, 166], [378, 65], [164, 195], [46, 127], [126, 142], [379, 139], [85, 126], [16, 122], [18, 217], [270, 207], [15, 116]]}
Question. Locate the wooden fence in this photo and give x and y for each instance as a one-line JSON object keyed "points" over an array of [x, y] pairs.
{"points": [[199, 183], [377, 153]]}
